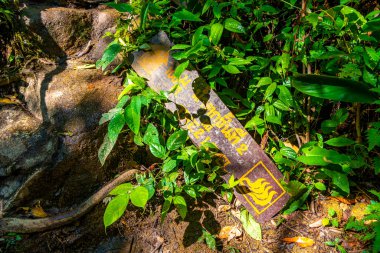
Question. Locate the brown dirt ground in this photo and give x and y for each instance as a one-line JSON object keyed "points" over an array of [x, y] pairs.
{"points": [[140, 231]]}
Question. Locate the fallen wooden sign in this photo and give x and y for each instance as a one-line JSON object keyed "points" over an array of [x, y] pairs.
{"points": [[210, 120]]}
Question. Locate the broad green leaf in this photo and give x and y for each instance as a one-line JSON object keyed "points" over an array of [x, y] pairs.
{"points": [[288, 152], [231, 69], [250, 225], [180, 203], [132, 114], [320, 156], [210, 240], [216, 33], [340, 142], [320, 186], [115, 126], [376, 163], [186, 15], [109, 115], [180, 46], [233, 25], [298, 203], [280, 105], [285, 96], [139, 196], [270, 90], [372, 26], [373, 136], [151, 135], [122, 189], [157, 150], [121, 7], [105, 149], [115, 209], [176, 140], [169, 165], [333, 88], [166, 207], [339, 179], [109, 55], [180, 68], [264, 81]]}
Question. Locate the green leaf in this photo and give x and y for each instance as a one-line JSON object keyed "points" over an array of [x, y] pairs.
{"points": [[176, 140], [250, 225], [319, 156], [231, 69], [115, 209], [105, 149], [139, 196], [270, 90], [210, 240], [121, 7], [180, 203], [157, 150], [132, 114], [115, 126], [180, 68], [144, 14], [186, 15], [288, 152], [320, 186], [376, 163], [264, 81], [109, 55], [373, 136], [151, 135], [216, 32], [169, 165], [340, 142], [333, 88], [233, 25], [338, 179], [109, 115], [166, 207], [298, 203], [122, 189]]}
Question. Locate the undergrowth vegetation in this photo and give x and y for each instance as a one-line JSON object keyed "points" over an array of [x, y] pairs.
{"points": [[302, 76]]}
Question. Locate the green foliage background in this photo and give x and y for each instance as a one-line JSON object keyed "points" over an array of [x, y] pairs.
{"points": [[263, 58]]}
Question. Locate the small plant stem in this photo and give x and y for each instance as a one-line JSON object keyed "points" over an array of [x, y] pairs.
{"points": [[357, 123], [308, 110]]}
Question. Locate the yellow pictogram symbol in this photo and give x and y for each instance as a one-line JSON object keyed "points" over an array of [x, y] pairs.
{"points": [[260, 191], [263, 192]]}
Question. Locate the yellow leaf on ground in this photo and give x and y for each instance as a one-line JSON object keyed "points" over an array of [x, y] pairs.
{"points": [[301, 241], [38, 212], [224, 208], [229, 233]]}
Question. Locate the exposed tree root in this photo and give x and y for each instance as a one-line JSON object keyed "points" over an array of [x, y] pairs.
{"points": [[20, 225]]}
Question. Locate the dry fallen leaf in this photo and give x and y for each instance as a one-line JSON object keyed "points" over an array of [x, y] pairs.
{"points": [[224, 208], [38, 212], [344, 200], [229, 232], [301, 241], [316, 224]]}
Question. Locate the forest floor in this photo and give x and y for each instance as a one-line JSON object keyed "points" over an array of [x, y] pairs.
{"points": [[141, 231]]}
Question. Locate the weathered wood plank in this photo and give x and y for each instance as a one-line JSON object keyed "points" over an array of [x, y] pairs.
{"points": [[207, 118]]}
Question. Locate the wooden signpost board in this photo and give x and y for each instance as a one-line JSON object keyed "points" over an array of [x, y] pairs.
{"points": [[209, 119]]}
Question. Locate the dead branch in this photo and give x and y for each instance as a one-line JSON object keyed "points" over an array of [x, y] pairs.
{"points": [[20, 225]]}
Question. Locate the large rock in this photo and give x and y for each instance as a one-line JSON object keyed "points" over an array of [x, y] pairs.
{"points": [[70, 32], [71, 102], [25, 146]]}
